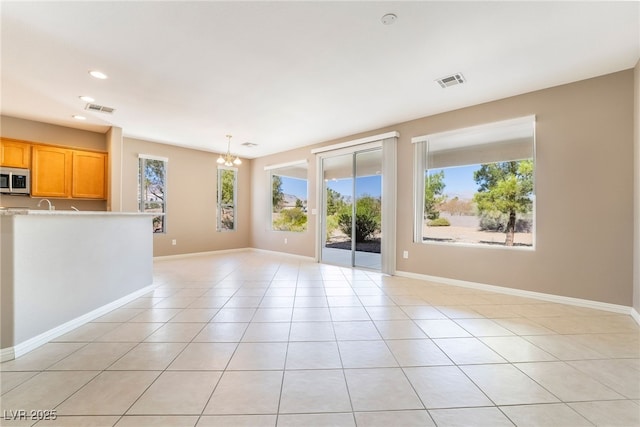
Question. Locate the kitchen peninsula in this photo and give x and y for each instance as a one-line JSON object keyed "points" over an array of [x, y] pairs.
{"points": [[60, 269]]}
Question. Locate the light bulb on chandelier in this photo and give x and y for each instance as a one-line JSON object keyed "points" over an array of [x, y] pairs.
{"points": [[228, 159]]}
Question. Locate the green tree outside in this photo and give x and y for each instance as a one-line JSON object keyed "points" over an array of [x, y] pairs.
{"points": [[154, 178], [277, 196], [433, 197], [505, 187], [226, 198], [228, 181], [335, 202], [153, 184]]}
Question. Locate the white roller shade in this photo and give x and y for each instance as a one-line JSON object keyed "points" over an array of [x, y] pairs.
{"points": [[494, 142]]}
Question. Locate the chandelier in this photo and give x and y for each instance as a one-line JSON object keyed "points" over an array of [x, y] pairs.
{"points": [[228, 159]]}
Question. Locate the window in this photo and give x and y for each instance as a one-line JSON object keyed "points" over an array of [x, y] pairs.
{"points": [[152, 189], [288, 186], [226, 195], [476, 185]]}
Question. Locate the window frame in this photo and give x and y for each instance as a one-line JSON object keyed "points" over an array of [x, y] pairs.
{"points": [[142, 160], [219, 206], [421, 168]]}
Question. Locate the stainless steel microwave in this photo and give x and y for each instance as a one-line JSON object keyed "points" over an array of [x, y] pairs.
{"points": [[14, 181]]}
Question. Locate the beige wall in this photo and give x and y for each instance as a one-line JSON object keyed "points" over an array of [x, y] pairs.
{"points": [[45, 133], [636, 180], [584, 190], [28, 130], [191, 198]]}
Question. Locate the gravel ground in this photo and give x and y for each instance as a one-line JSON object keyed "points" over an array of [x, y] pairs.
{"points": [[473, 235], [372, 245]]}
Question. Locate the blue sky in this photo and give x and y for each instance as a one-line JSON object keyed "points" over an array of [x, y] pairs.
{"points": [[459, 181], [369, 185], [295, 186]]}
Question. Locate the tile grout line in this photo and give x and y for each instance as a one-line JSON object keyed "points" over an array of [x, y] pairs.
{"points": [[286, 354]]}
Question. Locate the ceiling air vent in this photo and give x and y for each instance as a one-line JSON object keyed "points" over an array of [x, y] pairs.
{"points": [[455, 79], [99, 108]]}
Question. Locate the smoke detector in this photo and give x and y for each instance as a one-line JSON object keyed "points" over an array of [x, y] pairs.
{"points": [[99, 108], [452, 80], [249, 144], [389, 19]]}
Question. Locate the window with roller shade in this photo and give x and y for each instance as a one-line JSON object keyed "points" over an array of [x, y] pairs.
{"points": [[476, 185]]}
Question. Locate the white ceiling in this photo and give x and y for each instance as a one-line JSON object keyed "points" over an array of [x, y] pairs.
{"points": [[290, 74]]}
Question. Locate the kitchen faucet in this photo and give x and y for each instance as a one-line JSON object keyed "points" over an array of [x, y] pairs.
{"points": [[51, 207]]}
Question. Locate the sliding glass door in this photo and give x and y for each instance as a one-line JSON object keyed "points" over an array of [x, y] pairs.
{"points": [[352, 209]]}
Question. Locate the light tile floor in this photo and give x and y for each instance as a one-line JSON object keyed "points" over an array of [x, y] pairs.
{"points": [[250, 339]]}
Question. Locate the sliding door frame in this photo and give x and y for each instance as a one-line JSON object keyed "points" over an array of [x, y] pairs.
{"points": [[387, 142]]}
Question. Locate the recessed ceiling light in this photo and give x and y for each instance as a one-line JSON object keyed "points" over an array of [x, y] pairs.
{"points": [[87, 99], [77, 117], [389, 19], [98, 74]]}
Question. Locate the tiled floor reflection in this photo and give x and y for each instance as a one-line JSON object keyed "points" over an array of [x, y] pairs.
{"points": [[253, 339]]}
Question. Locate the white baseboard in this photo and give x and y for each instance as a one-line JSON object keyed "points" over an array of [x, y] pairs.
{"points": [[227, 251], [197, 254], [615, 308], [35, 342], [7, 354], [286, 254]]}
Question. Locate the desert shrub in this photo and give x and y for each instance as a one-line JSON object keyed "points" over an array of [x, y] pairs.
{"points": [[332, 225], [294, 219], [524, 225], [366, 224], [496, 221], [367, 219], [227, 223], [439, 222], [492, 221]]}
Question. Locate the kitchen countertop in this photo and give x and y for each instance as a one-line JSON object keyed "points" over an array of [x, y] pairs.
{"points": [[46, 212]]}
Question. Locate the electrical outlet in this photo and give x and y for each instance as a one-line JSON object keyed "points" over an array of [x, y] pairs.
{"points": [[405, 254], [285, 241], [173, 242]]}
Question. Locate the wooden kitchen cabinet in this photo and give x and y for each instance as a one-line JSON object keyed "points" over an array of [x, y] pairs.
{"points": [[68, 173], [88, 176], [51, 171], [14, 153]]}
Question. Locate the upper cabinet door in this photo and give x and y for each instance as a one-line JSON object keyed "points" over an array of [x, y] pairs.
{"points": [[89, 175], [51, 172], [15, 154]]}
